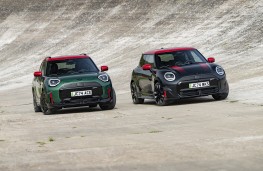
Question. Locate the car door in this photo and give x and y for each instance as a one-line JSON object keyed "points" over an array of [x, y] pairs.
{"points": [[39, 81], [145, 77]]}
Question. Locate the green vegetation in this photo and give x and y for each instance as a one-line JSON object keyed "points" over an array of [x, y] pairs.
{"points": [[41, 143], [156, 131], [233, 101], [50, 139]]}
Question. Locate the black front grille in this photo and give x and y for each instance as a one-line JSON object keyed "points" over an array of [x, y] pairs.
{"points": [[184, 90], [65, 90], [199, 92]]}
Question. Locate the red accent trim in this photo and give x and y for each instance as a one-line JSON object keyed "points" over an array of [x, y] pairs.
{"points": [[180, 69], [38, 74], [204, 66], [61, 58], [109, 93], [160, 51], [146, 67], [51, 98], [211, 60], [164, 93], [104, 68]]}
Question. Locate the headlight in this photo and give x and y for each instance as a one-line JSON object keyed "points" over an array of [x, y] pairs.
{"points": [[220, 70], [169, 76], [53, 82], [104, 77]]}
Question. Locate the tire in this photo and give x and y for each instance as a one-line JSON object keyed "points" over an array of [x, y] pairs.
{"points": [[134, 94], [110, 105], [220, 96], [36, 107], [44, 107], [159, 95]]}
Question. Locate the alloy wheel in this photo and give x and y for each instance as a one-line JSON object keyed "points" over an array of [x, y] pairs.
{"points": [[159, 95]]}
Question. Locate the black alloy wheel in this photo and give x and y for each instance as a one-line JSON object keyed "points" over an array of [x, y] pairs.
{"points": [[134, 94], [159, 95], [110, 105], [36, 107], [44, 107]]}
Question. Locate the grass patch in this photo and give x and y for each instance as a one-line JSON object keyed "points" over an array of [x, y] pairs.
{"points": [[136, 133], [154, 132], [51, 139], [169, 118], [2, 140], [233, 101], [74, 127], [41, 143], [82, 136]]}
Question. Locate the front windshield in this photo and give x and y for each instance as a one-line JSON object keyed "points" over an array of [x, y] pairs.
{"points": [[179, 58], [71, 66]]}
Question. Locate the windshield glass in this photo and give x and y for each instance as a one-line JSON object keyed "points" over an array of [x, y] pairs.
{"points": [[72, 66], [179, 58]]}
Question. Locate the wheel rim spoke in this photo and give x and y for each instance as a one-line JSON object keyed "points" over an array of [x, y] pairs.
{"points": [[158, 95], [133, 92]]}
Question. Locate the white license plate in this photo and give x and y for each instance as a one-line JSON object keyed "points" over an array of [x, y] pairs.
{"points": [[81, 93], [199, 84]]}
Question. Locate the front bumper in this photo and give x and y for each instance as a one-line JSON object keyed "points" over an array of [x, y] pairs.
{"points": [[61, 97], [180, 89], [80, 102]]}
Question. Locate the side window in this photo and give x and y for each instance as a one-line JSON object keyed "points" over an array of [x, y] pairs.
{"points": [[196, 57], [147, 59], [141, 61], [42, 68]]}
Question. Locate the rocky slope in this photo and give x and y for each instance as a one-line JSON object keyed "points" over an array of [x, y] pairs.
{"points": [[116, 32]]}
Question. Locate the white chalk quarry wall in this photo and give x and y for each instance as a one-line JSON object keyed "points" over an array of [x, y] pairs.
{"points": [[116, 32]]}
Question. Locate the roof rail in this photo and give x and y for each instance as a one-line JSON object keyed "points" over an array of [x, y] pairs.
{"points": [[83, 54]]}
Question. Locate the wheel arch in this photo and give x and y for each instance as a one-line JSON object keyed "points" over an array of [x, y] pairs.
{"points": [[158, 80]]}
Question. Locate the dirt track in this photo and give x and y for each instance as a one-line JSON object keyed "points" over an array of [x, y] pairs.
{"points": [[198, 134]]}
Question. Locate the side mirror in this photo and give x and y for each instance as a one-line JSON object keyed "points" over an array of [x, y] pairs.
{"points": [[146, 67], [211, 60], [38, 74], [104, 68]]}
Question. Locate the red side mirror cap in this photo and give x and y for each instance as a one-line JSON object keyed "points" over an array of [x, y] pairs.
{"points": [[146, 67], [211, 60], [104, 68], [38, 74]]}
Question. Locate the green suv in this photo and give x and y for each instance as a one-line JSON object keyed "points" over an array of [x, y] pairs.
{"points": [[71, 81]]}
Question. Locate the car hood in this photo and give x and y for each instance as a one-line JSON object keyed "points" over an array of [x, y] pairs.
{"points": [[79, 77], [193, 69]]}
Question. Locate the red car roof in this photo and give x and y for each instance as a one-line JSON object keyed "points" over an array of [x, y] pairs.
{"points": [[61, 58], [160, 51]]}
